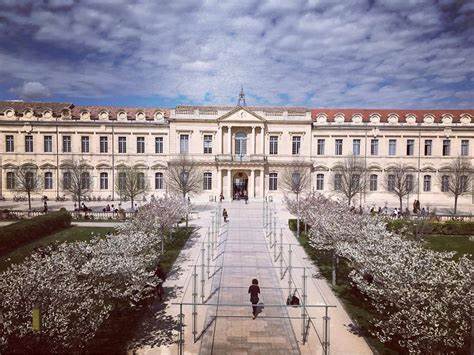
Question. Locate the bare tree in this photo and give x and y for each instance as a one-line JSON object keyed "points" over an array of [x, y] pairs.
{"points": [[27, 181], [77, 180], [296, 179], [130, 183], [184, 177], [399, 181], [350, 177], [458, 179]]}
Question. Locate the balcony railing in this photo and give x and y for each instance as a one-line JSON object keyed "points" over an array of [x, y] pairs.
{"points": [[227, 158]]}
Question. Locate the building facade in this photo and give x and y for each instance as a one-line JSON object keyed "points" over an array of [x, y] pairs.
{"points": [[237, 148]]}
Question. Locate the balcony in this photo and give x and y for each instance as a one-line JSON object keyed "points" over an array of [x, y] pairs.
{"points": [[232, 158]]}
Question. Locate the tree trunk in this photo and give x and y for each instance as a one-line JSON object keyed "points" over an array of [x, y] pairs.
{"points": [[349, 200], [334, 268], [29, 201], [401, 203], [131, 201], [455, 204]]}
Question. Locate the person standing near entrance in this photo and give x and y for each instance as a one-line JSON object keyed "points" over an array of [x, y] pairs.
{"points": [[225, 215], [254, 290]]}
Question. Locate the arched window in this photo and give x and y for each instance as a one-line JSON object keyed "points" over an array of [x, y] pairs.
{"points": [[104, 181], [10, 180], [158, 181], [320, 182], [48, 180], [373, 182], [66, 180], [207, 181], [337, 182], [241, 144], [427, 183], [141, 180], [85, 180]]}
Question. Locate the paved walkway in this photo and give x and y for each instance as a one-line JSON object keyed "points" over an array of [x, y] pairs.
{"points": [[244, 256]]}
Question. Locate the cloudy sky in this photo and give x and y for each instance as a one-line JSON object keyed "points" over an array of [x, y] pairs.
{"points": [[315, 53]]}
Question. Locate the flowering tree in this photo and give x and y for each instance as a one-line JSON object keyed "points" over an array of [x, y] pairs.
{"points": [[77, 285], [419, 296]]}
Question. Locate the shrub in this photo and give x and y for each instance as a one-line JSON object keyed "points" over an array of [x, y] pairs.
{"points": [[292, 225], [26, 231], [432, 227]]}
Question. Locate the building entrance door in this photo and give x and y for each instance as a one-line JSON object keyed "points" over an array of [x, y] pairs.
{"points": [[240, 186]]}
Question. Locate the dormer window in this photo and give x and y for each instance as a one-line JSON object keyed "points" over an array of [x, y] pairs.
{"points": [[85, 115], [375, 118], [159, 116], [9, 113], [322, 118], [122, 115], [428, 119], [411, 119], [140, 115], [103, 115], [357, 118], [393, 118], [447, 119], [465, 118], [339, 118], [47, 114], [66, 114], [28, 114]]}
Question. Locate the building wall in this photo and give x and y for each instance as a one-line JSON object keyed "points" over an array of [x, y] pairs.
{"points": [[223, 163]]}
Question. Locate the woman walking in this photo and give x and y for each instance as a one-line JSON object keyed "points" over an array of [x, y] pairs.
{"points": [[254, 290], [225, 215]]}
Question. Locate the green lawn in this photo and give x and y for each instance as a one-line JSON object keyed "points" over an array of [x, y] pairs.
{"points": [[66, 235], [457, 243]]}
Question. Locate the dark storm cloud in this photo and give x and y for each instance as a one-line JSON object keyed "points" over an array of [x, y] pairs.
{"points": [[406, 53]]}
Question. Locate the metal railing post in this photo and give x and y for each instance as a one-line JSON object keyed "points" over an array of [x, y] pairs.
{"points": [[208, 254], [274, 236], [289, 270], [326, 343], [181, 328], [203, 255], [281, 253], [194, 313], [303, 308]]}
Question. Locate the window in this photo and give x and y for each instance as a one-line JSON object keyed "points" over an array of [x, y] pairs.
{"points": [[122, 176], [158, 181], [66, 180], [85, 144], [373, 182], [140, 145], [85, 180], [10, 180], [48, 181], [320, 148], [428, 146], [464, 147], [374, 147], [446, 147], [445, 183], [29, 144], [338, 147], [273, 145], [9, 144], [296, 145], [273, 181], [104, 144], [122, 145], [427, 183], [356, 146], [409, 183], [184, 143], [391, 182], [141, 180], [159, 145], [410, 146], [207, 182], [66, 144], [464, 183], [392, 147], [320, 182], [48, 144], [104, 181], [337, 182], [207, 144], [241, 144]]}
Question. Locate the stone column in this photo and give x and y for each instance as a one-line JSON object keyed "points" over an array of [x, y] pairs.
{"points": [[229, 184], [219, 182], [219, 140], [252, 184], [229, 139], [263, 140], [262, 183], [252, 143]]}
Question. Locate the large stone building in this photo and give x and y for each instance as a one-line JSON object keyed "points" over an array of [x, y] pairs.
{"points": [[237, 148]]}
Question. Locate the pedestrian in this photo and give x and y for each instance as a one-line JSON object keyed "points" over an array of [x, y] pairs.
{"points": [[254, 290], [246, 197], [45, 207], [221, 197], [225, 215]]}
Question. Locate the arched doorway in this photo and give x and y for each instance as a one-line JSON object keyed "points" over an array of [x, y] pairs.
{"points": [[240, 185]]}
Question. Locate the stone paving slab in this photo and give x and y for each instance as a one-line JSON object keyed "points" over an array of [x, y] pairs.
{"points": [[244, 256]]}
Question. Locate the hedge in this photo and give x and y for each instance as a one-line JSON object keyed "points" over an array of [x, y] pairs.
{"points": [[292, 225], [432, 227], [26, 231]]}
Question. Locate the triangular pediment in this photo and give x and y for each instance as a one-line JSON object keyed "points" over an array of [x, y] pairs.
{"points": [[241, 114]]}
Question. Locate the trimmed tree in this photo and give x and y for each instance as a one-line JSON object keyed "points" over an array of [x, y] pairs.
{"points": [[27, 181], [352, 178], [131, 183], [399, 181], [457, 180], [77, 180]]}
